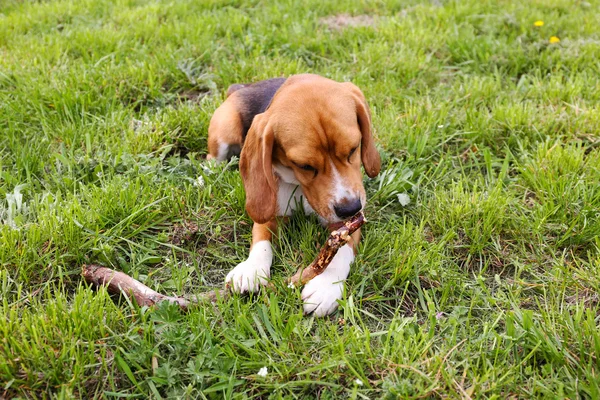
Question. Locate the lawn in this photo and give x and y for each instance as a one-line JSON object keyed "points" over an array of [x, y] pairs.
{"points": [[479, 272]]}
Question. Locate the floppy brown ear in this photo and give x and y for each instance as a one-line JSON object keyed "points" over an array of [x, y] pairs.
{"points": [[256, 168], [368, 152]]}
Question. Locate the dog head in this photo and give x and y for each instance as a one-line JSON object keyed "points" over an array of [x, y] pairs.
{"points": [[315, 133]]}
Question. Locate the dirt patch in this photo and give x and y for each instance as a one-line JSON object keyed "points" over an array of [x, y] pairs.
{"points": [[585, 296], [183, 232], [341, 21], [194, 95]]}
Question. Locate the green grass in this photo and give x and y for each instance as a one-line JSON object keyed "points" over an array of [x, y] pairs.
{"points": [[484, 286]]}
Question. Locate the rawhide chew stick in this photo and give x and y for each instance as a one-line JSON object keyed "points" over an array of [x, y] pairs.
{"points": [[334, 242], [120, 283]]}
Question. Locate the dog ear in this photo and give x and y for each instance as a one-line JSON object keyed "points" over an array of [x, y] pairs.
{"points": [[256, 168], [368, 152]]}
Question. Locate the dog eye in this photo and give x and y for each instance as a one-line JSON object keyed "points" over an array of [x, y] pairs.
{"points": [[307, 167], [351, 153]]}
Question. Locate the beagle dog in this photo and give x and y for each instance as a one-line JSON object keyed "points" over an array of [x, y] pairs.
{"points": [[300, 139]]}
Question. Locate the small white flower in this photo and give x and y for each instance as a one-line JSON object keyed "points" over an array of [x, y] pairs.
{"points": [[291, 285], [358, 382], [200, 181], [403, 199], [262, 372], [440, 126]]}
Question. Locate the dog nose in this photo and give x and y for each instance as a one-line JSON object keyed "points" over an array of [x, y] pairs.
{"points": [[348, 208]]}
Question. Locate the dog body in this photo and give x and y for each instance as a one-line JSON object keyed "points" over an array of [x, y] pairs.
{"points": [[298, 139]]}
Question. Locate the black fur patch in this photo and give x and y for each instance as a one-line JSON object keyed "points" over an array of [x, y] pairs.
{"points": [[255, 99]]}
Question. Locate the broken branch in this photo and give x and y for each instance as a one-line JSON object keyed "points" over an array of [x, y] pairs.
{"points": [[334, 242], [120, 283]]}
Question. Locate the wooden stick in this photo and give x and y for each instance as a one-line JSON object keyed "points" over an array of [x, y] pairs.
{"points": [[334, 242], [120, 283]]}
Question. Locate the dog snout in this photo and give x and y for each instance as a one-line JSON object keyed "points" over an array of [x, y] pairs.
{"points": [[348, 208]]}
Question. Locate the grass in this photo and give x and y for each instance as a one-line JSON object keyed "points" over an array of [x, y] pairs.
{"points": [[485, 285]]}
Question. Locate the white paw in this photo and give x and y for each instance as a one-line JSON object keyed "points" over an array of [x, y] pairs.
{"points": [[320, 295], [249, 275]]}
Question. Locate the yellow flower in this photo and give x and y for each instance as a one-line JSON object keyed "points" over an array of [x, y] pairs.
{"points": [[554, 39], [538, 23]]}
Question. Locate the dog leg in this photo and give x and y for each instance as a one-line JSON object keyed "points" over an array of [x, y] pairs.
{"points": [[249, 275], [321, 294], [225, 132]]}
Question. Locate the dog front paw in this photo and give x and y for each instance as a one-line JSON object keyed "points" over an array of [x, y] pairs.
{"points": [[321, 294], [250, 275]]}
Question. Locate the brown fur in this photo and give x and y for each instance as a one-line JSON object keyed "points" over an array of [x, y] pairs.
{"points": [[262, 232], [308, 120], [256, 167], [231, 122]]}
